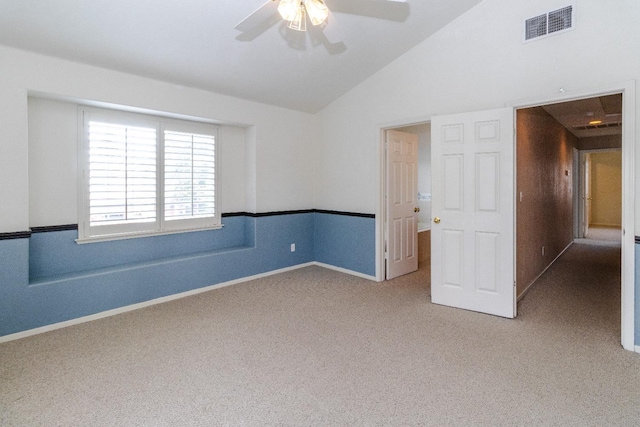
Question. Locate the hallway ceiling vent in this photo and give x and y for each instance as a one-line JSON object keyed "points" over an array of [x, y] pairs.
{"points": [[549, 23], [599, 126]]}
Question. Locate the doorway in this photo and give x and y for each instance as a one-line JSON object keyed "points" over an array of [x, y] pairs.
{"points": [[600, 195], [560, 198], [627, 89], [421, 201]]}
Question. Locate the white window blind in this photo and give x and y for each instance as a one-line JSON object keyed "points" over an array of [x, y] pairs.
{"points": [[189, 175], [122, 174], [144, 175]]}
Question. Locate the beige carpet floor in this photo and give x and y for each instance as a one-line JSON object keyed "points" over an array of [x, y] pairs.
{"points": [[318, 347], [605, 233]]}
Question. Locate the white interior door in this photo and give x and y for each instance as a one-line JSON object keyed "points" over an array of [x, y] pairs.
{"points": [[587, 193], [402, 203], [472, 237]]}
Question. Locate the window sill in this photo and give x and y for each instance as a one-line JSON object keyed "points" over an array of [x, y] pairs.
{"points": [[123, 236], [123, 268]]}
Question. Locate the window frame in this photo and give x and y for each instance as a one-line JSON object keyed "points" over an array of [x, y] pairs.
{"points": [[88, 233]]}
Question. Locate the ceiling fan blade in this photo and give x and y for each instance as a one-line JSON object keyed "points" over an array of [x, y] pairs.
{"points": [[257, 17], [391, 10], [331, 29]]}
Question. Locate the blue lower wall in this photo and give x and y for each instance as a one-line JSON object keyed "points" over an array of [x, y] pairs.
{"points": [[339, 241], [55, 253], [637, 296], [48, 278]]}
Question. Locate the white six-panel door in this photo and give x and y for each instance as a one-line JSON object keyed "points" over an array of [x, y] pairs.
{"points": [[472, 234], [402, 195], [587, 194]]}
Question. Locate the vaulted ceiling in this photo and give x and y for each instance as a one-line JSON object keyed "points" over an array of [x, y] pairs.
{"points": [[194, 42]]}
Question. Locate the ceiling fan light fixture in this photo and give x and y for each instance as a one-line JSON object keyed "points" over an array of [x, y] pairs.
{"points": [[317, 10], [299, 22], [288, 9]]}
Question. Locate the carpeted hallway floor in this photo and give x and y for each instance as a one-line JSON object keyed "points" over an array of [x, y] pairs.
{"points": [[318, 347]]}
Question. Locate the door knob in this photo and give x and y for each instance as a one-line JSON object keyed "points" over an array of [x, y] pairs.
{"points": [[436, 220], [416, 209]]}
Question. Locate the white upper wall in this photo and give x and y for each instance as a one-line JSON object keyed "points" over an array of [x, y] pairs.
{"points": [[53, 174], [53, 171], [278, 145], [477, 62]]}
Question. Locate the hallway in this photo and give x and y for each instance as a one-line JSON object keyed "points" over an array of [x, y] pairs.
{"points": [[579, 294]]}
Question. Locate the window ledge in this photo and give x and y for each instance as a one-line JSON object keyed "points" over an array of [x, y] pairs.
{"points": [[112, 237], [120, 268]]}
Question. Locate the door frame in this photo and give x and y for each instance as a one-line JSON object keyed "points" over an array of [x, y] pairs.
{"points": [[628, 91], [580, 202], [584, 189], [576, 176], [381, 219], [408, 263]]}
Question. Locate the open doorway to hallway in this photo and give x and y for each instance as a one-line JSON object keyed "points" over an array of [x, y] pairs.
{"points": [[487, 125], [569, 193]]}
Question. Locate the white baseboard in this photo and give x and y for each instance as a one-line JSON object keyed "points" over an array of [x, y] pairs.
{"points": [[346, 271], [119, 310], [637, 349]]}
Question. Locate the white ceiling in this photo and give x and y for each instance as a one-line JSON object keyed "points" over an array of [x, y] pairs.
{"points": [[194, 43]]}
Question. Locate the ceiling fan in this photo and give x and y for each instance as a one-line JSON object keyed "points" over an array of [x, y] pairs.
{"points": [[318, 13]]}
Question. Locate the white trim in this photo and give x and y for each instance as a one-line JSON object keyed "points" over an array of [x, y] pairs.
{"points": [[346, 271], [637, 349], [628, 90], [381, 214], [576, 176], [120, 310], [159, 224], [122, 236], [403, 123]]}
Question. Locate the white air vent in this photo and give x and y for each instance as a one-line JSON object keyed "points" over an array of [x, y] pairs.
{"points": [[549, 23]]}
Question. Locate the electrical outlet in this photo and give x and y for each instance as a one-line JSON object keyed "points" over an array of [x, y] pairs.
{"points": [[293, 247]]}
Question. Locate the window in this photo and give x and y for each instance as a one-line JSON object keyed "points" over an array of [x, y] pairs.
{"points": [[143, 175]]}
